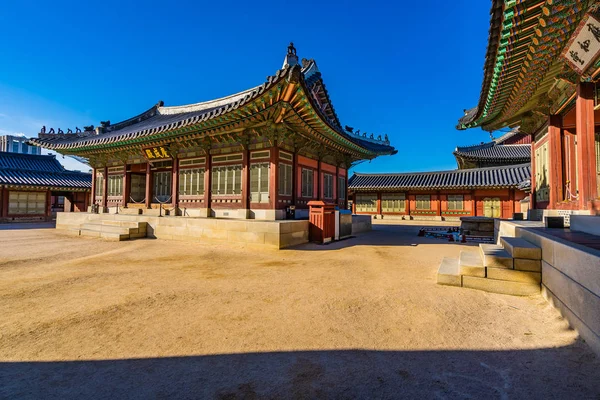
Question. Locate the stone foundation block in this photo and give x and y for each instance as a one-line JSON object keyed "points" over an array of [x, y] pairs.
{"points": [[504, 274], [502, 287]]}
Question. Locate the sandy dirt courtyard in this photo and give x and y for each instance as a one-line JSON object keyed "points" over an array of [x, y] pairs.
{"points": [[363, 318]]}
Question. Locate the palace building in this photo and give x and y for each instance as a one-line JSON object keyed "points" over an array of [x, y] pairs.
{"points": [[262, 153], [30, 186], [489, 182], [541, 73]]}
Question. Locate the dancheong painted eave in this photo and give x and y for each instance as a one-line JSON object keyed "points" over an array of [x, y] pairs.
{"points": [[294, 99], [475, 178], [523, 59]]}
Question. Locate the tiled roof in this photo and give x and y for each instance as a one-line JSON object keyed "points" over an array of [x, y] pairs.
{"points": [[494, 177], [517, 153], [30, 162], [44, 171], [160, 119]]}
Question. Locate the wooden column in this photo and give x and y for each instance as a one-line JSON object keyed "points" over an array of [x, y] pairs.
{"points": [[105, 189], [555, 143], [346, 190], [126, 185], [379, 203], [4, 206], [48, 204], [148, 186], [208, 181], [175, 184], [246, 179], [439, 204], [93, 195], [586, 155], [319, 181], [532, 201], [273, 181], [473, 204], [354, 203], [336, 189], [294, 177]]}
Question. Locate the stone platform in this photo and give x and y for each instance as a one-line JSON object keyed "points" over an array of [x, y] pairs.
{"points": [[477, 226], [271, 234]]}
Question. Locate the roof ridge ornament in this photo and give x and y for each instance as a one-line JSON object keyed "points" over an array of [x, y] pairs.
{"points": [[291, 58]]}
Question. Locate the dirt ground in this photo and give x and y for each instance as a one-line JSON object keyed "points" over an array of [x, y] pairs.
{"points": [[361, 318]]}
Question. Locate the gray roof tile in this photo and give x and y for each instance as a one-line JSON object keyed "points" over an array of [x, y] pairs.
{"points": [[495, 177]]}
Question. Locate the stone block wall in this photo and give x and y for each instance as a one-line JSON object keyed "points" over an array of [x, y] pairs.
{"points": [[273, 234], [570, 277]]}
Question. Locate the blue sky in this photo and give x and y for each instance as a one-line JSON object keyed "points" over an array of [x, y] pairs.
{"points": [[406, 69]]}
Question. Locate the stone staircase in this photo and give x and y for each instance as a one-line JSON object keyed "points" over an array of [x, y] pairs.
{"points": [[111, 230], [513, 267]]}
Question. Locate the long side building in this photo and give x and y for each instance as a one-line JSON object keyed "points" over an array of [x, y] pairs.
{"points": [[491, 192]]}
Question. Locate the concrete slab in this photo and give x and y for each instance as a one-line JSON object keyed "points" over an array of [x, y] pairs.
{"points": [[448, 272], [504, 274], [583, 303], [586, 223], [503, 287], [522, 264], [495, 256], [521, 248], [470, 263]]}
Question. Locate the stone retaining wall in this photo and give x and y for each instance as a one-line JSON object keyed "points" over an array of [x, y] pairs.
{"points": [[570, 277], [274, 234]]}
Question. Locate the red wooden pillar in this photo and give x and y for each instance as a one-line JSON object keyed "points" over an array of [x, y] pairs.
{"points": [[586, 153], [148, 186], [555, 141], [93, 195], [48, 204], [4, 208], [175, 184], [208, 182], [532, 201], [439, 204], [126, 185], [105, 188], [294, 177], [379, 203], [354, 203], [246, 179], [346, 190], [273, 181], [319, 181], [473, 205]]}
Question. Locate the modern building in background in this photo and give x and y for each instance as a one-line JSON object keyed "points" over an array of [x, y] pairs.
{"points": [[490, 182], [17, 144]]}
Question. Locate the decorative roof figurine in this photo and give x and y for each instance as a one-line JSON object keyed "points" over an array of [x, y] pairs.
{"points": [[291, 58]]}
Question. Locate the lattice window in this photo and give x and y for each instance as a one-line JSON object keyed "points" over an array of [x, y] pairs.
{"points": [[191, 182], [366, 203], [259, 182], [307, 182], [393, 202], [423, 202], [328, 186], [20, 203], [455, 202], [285, 179], [227, 180]]}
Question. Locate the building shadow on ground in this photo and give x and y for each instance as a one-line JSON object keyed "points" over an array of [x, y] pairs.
{"points": [[566, 372], [27, 225], [385, 235]]}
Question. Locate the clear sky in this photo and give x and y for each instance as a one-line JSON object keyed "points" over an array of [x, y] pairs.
{"points": [[402, 68]]}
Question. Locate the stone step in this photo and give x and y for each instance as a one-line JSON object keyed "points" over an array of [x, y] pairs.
{"points": [[495, 256], [521, 248], [502, 287], [512, 275], [114, 236], [448, 272], [470, 264], [130, 211], [125, 224], [523, 264], [109, 228]]}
